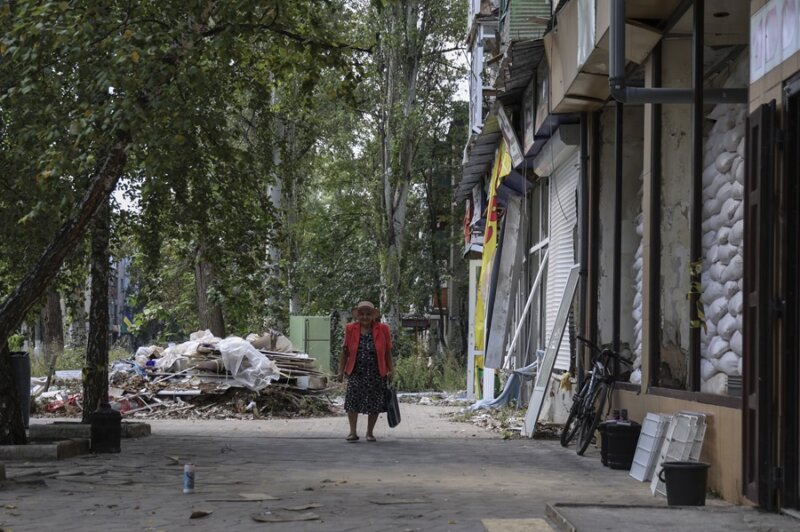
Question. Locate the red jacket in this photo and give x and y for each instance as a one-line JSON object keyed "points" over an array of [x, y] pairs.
{"points": [[383, 346]]}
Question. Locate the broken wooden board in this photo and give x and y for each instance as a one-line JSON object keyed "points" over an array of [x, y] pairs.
{"points": [[548, 362], [246, 497], [269, 517], [309, 506], [197, 514], [400, 501]]}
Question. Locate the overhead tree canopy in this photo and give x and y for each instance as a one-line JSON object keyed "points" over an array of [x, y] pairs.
{"points": [[93, 90], [197, 108]]}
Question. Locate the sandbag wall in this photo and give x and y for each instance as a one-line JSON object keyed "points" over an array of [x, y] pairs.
{"points": [[723, 235], [723, 232], [638, 275]]}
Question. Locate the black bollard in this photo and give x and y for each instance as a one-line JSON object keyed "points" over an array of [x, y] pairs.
{"points": [[21, 374], [106, 429]]}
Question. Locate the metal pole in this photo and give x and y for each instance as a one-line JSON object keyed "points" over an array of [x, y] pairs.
{"points": [[594, 213], [654, 223], [616, 309], [696, 217], [521, 321], [584, 242]]}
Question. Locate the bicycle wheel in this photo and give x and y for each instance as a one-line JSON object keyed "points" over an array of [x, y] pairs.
{"points": [[574, 419], [592, 415]]}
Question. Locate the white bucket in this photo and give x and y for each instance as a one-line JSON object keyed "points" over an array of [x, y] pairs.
{"points": [[302, 382]]}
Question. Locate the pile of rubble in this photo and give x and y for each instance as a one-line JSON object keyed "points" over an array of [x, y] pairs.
{"points": [[506, 421], [206, 377]]}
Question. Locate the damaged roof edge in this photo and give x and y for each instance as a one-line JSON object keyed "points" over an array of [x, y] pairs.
{"points": [[518, 65]]}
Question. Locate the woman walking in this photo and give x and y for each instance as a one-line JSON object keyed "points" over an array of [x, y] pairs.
{"points": [[367, 361]]}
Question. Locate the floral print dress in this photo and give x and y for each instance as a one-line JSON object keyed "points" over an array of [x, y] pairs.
{"points": [[366, 389]]}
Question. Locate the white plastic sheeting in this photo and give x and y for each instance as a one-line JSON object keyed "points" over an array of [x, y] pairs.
{"points": [[247, 365]]}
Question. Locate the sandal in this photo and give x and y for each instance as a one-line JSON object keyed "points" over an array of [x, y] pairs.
{"points": [[371, 438], [351, 438]]}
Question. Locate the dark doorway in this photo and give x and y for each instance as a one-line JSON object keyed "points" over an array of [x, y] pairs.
{"points": [[759, 400], [791, 375]]}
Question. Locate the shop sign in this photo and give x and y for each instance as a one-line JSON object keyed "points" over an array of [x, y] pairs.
{"points": [[510, 137], [529, 114]]}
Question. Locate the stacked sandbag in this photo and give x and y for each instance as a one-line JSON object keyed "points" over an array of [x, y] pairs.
{"points": [[723, 235], [638, 276]]}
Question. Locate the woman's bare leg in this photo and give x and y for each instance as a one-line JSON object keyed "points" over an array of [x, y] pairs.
{"points": [[371, 420], [352, 417]]}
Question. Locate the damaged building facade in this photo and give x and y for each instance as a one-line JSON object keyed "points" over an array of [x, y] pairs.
{"points": [[654, 144]]}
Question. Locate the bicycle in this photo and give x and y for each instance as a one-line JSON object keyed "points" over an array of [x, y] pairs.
{"points": [[588, 403]]}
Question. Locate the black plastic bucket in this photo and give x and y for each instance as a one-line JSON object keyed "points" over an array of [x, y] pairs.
{"points": [[686, 482], [21, 375]]}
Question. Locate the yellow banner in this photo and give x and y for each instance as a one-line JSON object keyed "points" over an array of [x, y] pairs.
{"points": [[502, 167]]}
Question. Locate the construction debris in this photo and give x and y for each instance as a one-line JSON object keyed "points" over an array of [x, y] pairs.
{"points": [[206, 377]]}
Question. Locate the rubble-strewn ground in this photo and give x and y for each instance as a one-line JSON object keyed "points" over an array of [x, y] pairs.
{"points": [[275, 401], [140, 400], [506, 421]]}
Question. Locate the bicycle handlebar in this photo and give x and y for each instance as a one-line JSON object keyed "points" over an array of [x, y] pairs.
{"points": [[607, 352]]}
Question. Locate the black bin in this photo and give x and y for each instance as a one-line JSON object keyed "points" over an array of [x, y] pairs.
{"points": [[686, 482], [106, 429], [21, 375], [618, 443]]}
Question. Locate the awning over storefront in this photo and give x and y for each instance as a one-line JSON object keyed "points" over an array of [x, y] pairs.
{"points": [[516, 69], [479, 155]]}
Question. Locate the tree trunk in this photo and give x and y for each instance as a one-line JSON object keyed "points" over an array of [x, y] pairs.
{"points": [[430, 194], [292, 183], [208, 313], [274, 299], [16, 305], [95, 371], [52, 333], [76, 312]]}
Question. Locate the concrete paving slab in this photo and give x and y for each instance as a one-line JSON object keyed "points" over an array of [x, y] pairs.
{"points": [[442, 475], [716, 518], [517, 525]]}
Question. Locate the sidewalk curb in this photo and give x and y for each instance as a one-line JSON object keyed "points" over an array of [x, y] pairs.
{"points": [[558, 518], [59, 450], [63, 430]]}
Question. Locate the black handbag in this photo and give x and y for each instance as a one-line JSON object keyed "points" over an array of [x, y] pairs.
{"points": [[392, 407]]}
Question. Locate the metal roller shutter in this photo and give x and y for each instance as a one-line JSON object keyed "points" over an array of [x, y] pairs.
{"points": [[563, 218]]}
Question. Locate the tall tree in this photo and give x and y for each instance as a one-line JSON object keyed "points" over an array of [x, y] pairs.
{"points": [[413, 38]]}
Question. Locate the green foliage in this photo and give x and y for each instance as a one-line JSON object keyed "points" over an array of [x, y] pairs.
{"points": [[15, 342], [223, 101], [69, 359], [695, 291], [412, 374], [181, 80], [417, 373]]}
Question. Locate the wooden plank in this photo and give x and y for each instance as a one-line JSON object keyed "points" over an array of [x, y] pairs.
{"points": [[549, 360]]}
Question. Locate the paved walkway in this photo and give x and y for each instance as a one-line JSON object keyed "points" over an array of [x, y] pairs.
{"points": [[427, 474]]}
